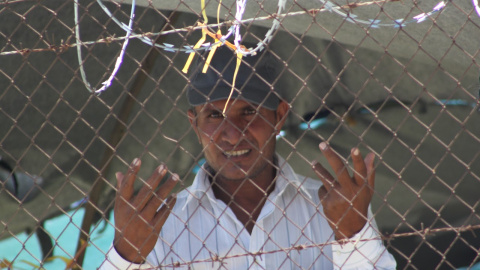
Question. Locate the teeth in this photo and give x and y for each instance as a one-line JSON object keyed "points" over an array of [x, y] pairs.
{"points": [[236, 153]]}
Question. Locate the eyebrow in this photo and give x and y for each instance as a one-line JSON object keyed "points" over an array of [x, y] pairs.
{"points": [[209, 108]]}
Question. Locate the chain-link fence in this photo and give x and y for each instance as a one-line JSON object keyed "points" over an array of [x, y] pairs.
{"points": [[87, 86]]}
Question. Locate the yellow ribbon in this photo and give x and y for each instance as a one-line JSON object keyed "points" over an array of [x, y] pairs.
{"points": [[202, 39], [212, 52], [237, 67]]}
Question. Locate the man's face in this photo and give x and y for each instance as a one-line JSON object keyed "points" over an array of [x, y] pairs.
{"points": [[240, 144]]}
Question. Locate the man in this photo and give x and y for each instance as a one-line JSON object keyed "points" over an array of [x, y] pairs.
{"points": [[247, 208]]}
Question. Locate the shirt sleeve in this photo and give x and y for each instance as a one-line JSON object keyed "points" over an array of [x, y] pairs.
{"points": [[365, 250], [114, 261]]}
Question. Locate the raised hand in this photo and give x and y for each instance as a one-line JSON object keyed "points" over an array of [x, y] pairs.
{"points": [[345, 199], [137, 220]]}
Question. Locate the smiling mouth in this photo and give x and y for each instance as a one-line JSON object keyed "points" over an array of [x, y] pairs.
{"points": [[236, 153]]}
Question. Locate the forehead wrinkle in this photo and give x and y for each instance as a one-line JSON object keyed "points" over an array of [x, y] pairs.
{"points": [[205, 108]]}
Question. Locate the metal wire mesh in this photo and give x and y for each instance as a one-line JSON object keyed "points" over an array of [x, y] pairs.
{"points": [[89, 85]]}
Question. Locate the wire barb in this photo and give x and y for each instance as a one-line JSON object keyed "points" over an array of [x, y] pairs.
{"points": [[106, 84]]}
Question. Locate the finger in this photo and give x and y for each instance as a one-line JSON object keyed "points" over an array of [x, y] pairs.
{"points": [[322, 192], [370, 163], [154, 204], [322, 173], [126, 183], [120, 179], [359, 167], [148, 189], [162, 215], [119, 176], [168, 186], [337, 165]]}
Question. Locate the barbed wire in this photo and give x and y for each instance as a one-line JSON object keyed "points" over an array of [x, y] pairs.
{"points": [[7, 2], [148, 36], [119, 60], [423, 233], [376, 23], [476, 6], [327, 6], [234, 29]]}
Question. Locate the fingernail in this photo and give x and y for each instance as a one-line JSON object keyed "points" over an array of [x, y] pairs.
{"points": [[356, 152], [136, 162], [161, 168], [175, 177], [323, 146], [118, 176]]}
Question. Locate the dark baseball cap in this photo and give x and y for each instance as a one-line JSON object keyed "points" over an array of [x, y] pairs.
{"points": [[254, 82]]}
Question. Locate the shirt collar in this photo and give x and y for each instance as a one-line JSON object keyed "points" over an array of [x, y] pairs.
{"points": [[286, 178], [200, 188]]}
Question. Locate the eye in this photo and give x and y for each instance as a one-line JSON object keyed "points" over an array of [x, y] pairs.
{"points": [[215, 114], [250, 111]]}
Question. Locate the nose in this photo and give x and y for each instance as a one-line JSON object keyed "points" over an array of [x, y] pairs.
{"points": [[232, 130]]}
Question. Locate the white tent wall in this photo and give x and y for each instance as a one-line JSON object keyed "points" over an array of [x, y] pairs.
{"points": [[380, 89]]}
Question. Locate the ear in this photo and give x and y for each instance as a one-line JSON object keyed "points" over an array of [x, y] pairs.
{"points": [[281, 112], [192, 117]]}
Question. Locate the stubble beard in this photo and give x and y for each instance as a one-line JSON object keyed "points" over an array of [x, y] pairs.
{"points": [[251, 174]]}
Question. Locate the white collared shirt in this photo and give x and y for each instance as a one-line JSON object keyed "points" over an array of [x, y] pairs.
{"points": [[291, 232]]}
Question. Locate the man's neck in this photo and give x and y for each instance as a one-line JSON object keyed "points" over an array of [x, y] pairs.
{"points": [[245, 197]]}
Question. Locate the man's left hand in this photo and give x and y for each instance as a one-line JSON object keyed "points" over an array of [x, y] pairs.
{"points": [[345, 199]]}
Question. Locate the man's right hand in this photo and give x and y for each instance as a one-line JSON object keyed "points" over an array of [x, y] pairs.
{"points": [[137, 220]]}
